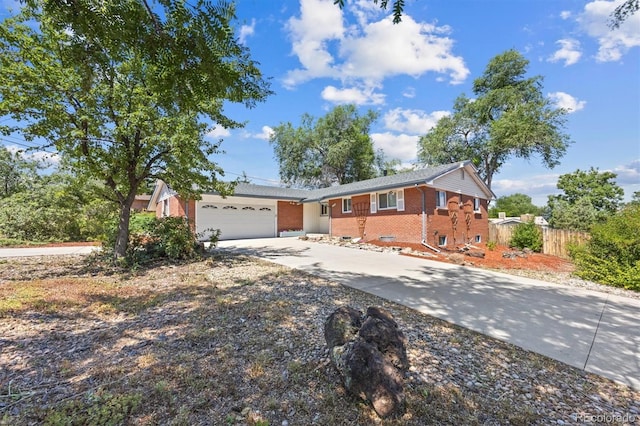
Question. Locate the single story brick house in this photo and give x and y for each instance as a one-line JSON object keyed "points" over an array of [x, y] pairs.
{"points": [[438, 206]]}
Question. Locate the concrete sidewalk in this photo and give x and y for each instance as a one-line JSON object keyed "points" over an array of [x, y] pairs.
{"points": [[46, 251], [589, 330]]}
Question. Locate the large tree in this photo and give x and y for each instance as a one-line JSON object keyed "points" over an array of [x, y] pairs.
{"points": [[509, 117], [334, 149], [587, 197], [125, 89]]}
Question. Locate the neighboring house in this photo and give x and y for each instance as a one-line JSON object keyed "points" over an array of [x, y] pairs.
{"points": [[504, 220], [438, 206], [141, 202]]}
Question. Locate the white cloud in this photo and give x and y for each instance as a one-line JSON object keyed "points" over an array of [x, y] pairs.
{"points": [[613, 44], [569, 52], [367, 52], [403, 147], [265, 134], [538, 187], [412, 48], [409, 92], [365, 96], [218, 132], [565, 14], [43, 157], [412, 121], [628, 174], [320, 22], [566, 101], [246, 31]]}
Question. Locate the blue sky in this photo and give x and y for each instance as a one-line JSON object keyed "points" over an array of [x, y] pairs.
{"points": [[319, 56]]}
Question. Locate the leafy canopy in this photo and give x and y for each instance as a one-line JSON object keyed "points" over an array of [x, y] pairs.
{"points": [[514, 205], [124, 89], [334, 149], [509, 117], [587, 197], [612, 255], [57, 207]]}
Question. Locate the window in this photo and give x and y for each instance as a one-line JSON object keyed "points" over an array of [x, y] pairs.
{"points": [[387, 200], [165, 207], [476, 204], [324, 209], [442, 240], [478, 239], [441, 199], [346, 205]]}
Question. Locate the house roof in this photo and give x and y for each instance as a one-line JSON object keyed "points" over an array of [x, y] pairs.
{"points": [[538, 220], [399, 180], [426, 175], [264, 191]]}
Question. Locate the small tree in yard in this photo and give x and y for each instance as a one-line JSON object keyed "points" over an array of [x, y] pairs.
{"points": [[527, 235], [121, 89]]}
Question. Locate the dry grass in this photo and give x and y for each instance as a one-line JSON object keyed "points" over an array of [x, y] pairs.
{"points": [[231, 340]]}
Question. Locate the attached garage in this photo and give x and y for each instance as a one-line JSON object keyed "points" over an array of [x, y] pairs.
{"points": [[236, 217]]}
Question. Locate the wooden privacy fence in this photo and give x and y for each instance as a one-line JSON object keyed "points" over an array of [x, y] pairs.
{"points": [[554, 241]]}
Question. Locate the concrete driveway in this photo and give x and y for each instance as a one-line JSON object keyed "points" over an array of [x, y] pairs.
{"points": [[46, 251], [589, 330]]}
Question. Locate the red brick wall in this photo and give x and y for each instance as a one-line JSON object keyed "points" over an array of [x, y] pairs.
{"points": [[289, 216], [178, 207], [406, 226]]}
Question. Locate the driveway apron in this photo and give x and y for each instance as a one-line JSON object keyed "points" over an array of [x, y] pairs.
{"points": [[590, 330]]}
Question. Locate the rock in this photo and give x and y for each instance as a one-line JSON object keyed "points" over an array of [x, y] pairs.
{"points": [[381, 330], [342, 326], [372, 361], [478, 254]]}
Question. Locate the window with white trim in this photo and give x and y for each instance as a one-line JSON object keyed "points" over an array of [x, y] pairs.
{"points": [[324, 209], [442, 240], [476, 204], [478, 239], [387, 200], [441, 199], [346, 205], [165, 207]]}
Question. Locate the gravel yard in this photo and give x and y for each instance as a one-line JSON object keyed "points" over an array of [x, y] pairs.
{"points": [[233, 340]]}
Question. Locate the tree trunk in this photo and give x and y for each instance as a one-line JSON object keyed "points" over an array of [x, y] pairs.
{"points": [[122, 237]]}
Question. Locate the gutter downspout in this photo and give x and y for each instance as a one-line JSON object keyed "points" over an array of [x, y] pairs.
{"points": [[424, 220]]}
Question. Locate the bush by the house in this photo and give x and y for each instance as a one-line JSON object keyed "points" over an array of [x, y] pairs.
{"points": [[527, 235], [612, 255], [154, 238]]}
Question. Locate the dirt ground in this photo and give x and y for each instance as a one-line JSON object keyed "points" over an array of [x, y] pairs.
{"points": [[493, 258], [231, 340]]}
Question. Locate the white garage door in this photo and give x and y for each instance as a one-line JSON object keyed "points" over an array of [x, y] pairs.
{"points": [[236, 220]]}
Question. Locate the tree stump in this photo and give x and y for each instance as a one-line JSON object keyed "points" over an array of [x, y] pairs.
{"points": [[370, 354]]}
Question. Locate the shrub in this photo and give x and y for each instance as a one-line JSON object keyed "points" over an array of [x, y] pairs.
{"points": [[612, 255], [527, 235], [52, 211], [151, 238]]}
